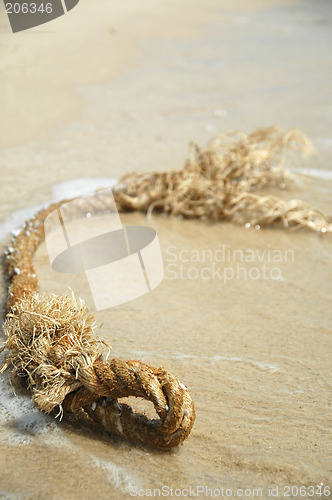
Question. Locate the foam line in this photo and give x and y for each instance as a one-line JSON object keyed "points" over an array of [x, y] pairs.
{"points": [[68, 189]]}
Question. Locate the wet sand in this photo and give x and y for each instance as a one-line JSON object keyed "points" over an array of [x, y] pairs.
{"points": [[252, 345]]}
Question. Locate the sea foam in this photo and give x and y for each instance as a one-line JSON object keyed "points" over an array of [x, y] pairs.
{"points": [[68, 189]]}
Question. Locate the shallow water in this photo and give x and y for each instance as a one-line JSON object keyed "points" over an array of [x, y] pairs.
{"points": [[253, 352], [253, 348], [248, 68]]}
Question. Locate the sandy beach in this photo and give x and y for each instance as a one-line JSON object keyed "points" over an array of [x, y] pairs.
{"points": [[115, 87]]}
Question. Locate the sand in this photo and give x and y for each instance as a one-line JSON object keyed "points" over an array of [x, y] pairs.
{"points": [[243, 316]]}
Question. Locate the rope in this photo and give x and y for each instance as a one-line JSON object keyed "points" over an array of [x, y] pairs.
{"points": [[40, 341], [51, 339]]}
